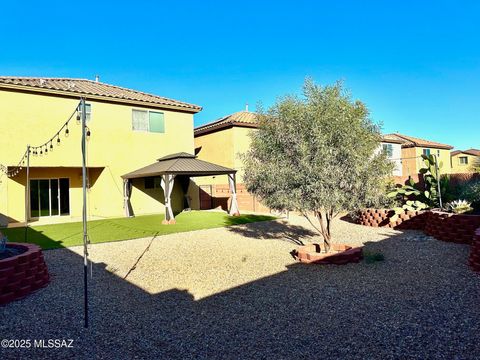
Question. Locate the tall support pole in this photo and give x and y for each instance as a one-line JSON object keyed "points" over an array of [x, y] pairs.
{"points": [[437, 173], [84, 213], [27, 194]]}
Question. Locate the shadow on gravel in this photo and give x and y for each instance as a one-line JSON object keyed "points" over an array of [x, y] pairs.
{"points": [[275, 230], [421, 302]]}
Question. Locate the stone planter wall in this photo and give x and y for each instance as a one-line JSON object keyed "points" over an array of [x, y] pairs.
{"points": [[474, 259], [452, 227], [413, 220], [457, 228], [22, 274]]}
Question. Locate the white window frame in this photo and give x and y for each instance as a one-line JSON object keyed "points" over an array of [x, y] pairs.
{"points": [[460, 158], [50, 199], [148, 124], [88, 114]]}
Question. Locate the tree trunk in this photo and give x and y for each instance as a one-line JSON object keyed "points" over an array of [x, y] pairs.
{"points": [[325, 228]]}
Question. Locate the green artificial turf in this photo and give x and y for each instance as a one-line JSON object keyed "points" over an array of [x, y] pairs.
{"points": [[70, 234]]}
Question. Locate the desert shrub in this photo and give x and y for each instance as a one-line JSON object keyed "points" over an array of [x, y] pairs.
{"points": [[470, 191]]}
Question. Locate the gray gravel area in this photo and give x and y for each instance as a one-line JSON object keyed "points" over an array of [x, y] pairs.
{"points": [[237, 293]]}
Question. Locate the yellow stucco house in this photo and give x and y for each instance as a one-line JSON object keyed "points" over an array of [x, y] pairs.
{"points": [[128, 130], [463, 161], [413, 148], [222, 142]]}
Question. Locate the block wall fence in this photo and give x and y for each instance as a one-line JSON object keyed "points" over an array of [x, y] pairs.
{"points": [[457, 228]]}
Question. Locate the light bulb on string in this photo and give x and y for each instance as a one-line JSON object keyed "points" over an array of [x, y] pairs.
{"points": [[88, 133], [46, 149], [67, 132], [58, 140], [51, 146]]}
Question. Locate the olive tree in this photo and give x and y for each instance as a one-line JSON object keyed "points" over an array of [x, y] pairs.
{"points": [[318, 154]]}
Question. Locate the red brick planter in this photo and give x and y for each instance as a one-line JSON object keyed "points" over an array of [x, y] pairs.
{"points": [[22, 274], [339, 255], [474, 259], [457, 228]]}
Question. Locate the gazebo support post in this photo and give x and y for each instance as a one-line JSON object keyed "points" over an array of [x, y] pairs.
{"points": [[127, 192], [234, 211], [167, 186]]}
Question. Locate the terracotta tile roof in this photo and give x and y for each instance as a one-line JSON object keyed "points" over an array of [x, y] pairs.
{"points": [[391, 139], [474, 152], [241, 118], [92, 90], [410, 141]]}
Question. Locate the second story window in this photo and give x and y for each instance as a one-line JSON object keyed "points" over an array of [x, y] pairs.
{"points": [[388, 148], [88, 112], [426, 152], [150, 121], [463, 160]]}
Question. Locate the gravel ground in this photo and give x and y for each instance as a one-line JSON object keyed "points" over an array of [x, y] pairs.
{"points": [[237, 293]]}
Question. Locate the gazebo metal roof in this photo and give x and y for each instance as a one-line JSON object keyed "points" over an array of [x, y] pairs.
{"points": [[179, 164]]}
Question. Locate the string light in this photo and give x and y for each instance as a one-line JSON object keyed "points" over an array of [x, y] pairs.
{"points": [[43, 147]]}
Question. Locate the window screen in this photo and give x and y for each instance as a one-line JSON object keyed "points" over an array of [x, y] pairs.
{"points": [[157, 123], [388, 148], [140, 120]]}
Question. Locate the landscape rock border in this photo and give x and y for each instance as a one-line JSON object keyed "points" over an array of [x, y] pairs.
{"points": [[456, 228], [22, 274]]}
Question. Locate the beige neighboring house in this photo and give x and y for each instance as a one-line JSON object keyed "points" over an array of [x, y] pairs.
{"points": [[223, 141], [413, 148], [462, 161], [393, 149]]}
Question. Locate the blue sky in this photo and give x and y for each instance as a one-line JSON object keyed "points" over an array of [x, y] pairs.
{"points": [[416, 64]]}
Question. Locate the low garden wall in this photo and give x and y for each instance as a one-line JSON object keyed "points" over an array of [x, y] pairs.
{"points": [[474, 259], [22, 274], [457, 228]]}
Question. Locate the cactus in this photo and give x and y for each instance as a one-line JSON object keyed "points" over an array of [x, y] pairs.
{"points": [[413, 199]]}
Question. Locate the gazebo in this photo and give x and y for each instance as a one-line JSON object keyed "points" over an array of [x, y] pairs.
{"points": [[167, 168]]}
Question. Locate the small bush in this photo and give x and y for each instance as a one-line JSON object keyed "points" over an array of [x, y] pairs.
{"points": [[371, 258], [471, 192]]}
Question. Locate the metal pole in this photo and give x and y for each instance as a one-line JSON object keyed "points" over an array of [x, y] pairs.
{"points": [[27, 194], [438, 182], [84, 214]]}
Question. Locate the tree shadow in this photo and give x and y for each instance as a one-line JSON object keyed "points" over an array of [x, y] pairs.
{"points": [[270, 230], [414, 304]]}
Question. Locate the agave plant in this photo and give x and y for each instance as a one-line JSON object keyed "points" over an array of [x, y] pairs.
{"points": [[459, 206]]}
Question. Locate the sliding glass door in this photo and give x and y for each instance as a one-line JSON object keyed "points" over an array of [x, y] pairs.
{"points": [[49, 197]]}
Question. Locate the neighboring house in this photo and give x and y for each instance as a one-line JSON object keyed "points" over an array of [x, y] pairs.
{"points": [[129, 129], [393, 149], [463, 160], [222, 142], [413, 148]]}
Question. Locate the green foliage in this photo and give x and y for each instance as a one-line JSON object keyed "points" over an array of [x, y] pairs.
{"points": [[410, 195], [316, 154], [471, 192], [475, 167], [371, 258]]}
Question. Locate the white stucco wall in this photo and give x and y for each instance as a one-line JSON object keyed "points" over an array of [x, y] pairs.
{"points": [[395, 157]]}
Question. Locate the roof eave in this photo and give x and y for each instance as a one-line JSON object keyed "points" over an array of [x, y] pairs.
{"points": [[194, 109], [211, 129]]}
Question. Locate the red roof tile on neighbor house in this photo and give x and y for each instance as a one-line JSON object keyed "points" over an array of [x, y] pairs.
{"points": [[94, 89], [474, 152], [410, 141], [241, 118]]}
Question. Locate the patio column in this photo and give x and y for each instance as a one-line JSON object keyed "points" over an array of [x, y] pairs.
{"points": [[233, 189], [127, 193], [167, 186]]}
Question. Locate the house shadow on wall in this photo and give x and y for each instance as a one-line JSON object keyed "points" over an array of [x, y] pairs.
{"points": [[360, 310]]}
